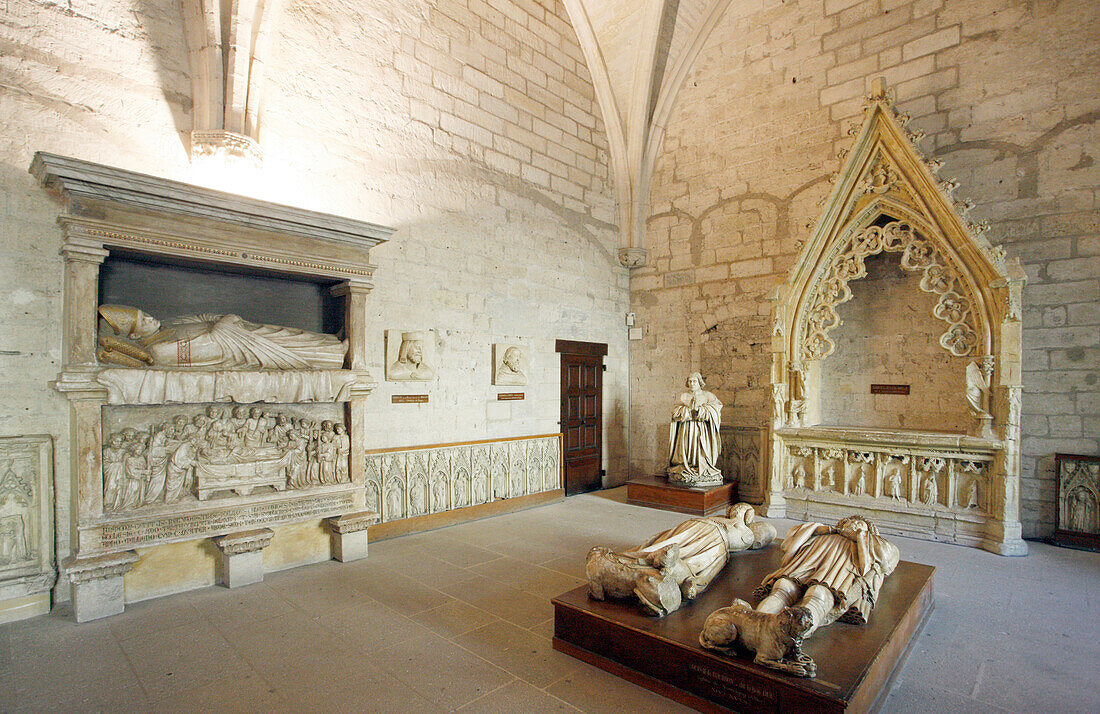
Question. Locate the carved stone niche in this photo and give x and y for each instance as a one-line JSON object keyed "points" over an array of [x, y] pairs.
{"points": [[946, 481], [212, 425], [26, 526]]}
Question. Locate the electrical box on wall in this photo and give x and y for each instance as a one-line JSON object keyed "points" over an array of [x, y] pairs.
{"points": [[635, 333], [630, 319]]}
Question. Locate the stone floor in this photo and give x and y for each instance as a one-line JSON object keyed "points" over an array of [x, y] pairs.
{"points": [[460, 619]]}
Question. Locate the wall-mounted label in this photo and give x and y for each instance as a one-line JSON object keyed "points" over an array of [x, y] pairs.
{"points": [[890, 389], [509, 396], [409, 399]]}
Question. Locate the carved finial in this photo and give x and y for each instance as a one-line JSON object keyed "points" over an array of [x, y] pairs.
{"points": [[878, 89], [903, 119], [915, 135]]}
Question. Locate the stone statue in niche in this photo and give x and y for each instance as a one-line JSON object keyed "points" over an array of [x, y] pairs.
{"points": [[677, 564], [407, 359], [827, 573], [15, 500], [694, 438], [929, 490], [1082, 510], [211, 342], [215, 451], [970, 499], [977, 396], [509, 365]]}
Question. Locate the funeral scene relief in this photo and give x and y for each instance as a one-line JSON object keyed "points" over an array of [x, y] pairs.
{"points": [[164, 455]]}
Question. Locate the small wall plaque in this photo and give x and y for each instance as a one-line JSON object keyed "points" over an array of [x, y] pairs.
{"points": [[509, 396], [890, 389], [409, 399]]}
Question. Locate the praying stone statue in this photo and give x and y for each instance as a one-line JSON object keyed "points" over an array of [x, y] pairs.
{"points": [[211, 342], [676, 564], [694, 440], [827, 573]]}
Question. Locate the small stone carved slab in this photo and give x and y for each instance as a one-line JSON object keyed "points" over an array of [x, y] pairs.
{"points": [[1078, 499], [510, 365], [410, 356], [157, 456], [26, 529]]}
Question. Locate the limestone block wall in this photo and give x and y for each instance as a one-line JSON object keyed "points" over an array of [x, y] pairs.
{"points": [[1005, 91], [889, 335], [470, 126]]}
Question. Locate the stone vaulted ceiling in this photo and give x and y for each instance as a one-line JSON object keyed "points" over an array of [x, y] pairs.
{"points": [[639, 52]]}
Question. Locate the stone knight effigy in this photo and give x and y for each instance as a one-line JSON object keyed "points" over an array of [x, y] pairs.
{"points": [[828, 573], [677, 564]]}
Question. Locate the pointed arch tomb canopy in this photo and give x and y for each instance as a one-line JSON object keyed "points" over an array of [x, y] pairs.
{"points": [[887, 199]]}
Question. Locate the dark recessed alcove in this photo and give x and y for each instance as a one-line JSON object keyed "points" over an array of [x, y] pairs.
{"points": [[167, 290]]}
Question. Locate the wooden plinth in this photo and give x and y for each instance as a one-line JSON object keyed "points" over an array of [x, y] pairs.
{"points": [[657, 492], [855, 662]]}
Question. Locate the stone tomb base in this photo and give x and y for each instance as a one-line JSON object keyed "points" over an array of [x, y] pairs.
{"points": [[657, 492], [855, 662]]}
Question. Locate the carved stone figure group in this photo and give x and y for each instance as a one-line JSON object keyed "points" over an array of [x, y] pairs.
{"points": [[826, 573], [221, 449]]}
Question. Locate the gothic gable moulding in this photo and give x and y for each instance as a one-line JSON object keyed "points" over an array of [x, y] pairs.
{"points": [[887, 198]]}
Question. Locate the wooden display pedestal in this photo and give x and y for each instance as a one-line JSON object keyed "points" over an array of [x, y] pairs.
{"points": [[855, 663], [657, 492]]}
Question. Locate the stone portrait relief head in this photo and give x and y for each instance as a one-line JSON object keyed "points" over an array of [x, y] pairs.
{"points": [[509, 365], [409, 356]]}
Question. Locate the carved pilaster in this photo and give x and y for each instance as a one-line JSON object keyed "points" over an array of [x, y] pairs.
{"points": [[82, 261]]}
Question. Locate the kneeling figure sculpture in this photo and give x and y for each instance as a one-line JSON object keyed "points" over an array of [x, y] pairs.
{"points": [[677, 564], [827, 573]]}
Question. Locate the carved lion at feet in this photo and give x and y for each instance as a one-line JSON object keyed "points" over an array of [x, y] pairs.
{"points": [[649, 579], [776, 638]]}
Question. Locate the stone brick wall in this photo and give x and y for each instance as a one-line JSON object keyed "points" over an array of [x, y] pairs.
{"points": [[888, 335], [1006, 92], [470, 126]]}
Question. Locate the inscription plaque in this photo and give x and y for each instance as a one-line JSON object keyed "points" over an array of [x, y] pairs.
{"points": [[198, 525], [409, 399], [902, 389], [510, 396]]}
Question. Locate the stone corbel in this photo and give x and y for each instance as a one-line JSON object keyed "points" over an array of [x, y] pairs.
{"points": [[243, 556], [631, 258], [349, 535], [97, 584]]}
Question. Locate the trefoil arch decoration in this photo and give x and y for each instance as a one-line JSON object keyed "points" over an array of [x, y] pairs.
{"points": [[955, 307]]}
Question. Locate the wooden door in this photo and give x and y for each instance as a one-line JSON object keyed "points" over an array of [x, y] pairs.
{"points": [[582, 414]]}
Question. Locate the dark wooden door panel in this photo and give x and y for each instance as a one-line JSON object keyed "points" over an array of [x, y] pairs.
{"points": [[582, 417]]}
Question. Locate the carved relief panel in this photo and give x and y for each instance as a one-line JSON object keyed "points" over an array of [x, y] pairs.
{"points": [[26, 525], [1078, 500], [157, 456], [416, 482]]}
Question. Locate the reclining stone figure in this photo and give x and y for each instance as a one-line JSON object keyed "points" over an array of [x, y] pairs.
{"points": [[827, 573], [676, 564]]}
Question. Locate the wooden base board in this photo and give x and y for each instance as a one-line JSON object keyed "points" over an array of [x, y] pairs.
{"points": [[657, 492], [1074, 539], [417, 524], [855, 662]]}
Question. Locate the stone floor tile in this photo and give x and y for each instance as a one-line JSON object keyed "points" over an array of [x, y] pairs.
{"points": [[382, 694], [517, 697], [240, 607], [914, 698], [402, 593], [140, 619], [454, 618], [173, 662], [530, 657], [592, 690], [373, 626], [441, 671]]}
